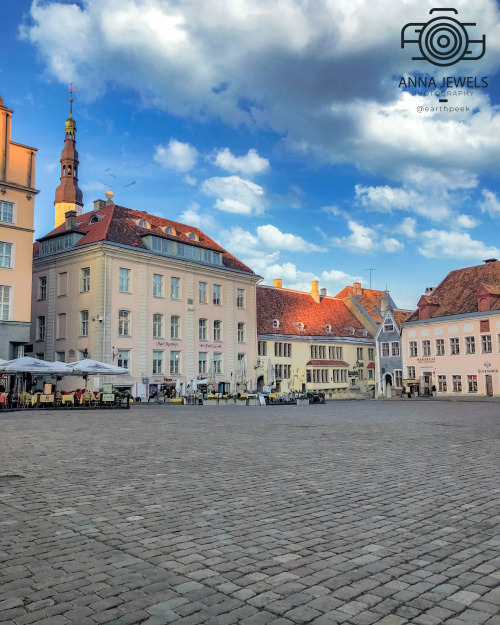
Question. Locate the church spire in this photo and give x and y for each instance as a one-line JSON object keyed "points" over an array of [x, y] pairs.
{"points": [[68, 194]]}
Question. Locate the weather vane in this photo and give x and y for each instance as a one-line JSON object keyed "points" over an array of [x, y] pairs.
{"points": [[71, 89]]}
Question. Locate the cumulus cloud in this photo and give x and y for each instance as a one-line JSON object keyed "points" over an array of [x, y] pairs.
{"points": [[272, 237], [407, 227], [467, 221], [248, 165], [176, 155], [364, 239], [212, 61], [235, 195], [439, 243], [490, 203], [192, 216]]}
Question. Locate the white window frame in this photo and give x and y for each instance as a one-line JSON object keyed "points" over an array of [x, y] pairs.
{"points": [[217, 294], [157, 326], [240, 298], [124, 323], [202, 329], [217, 330], [158, 362], [84, 280], [7, 254], [123, 358], [175, 288], [157, 285], [6, 301], [84, 323], [175, 327], [13, 205], [175, 360], [241, 332], [202, 292]]}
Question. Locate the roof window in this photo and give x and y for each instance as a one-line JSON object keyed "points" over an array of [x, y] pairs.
{"points": [[276, 324], [169, 230]]}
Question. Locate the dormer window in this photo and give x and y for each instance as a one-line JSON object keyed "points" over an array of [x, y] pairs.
{"points": [[142, 223], [192, 236], [94, 219], [328, 329], [300, 326], [169, 230], [276, 324]]}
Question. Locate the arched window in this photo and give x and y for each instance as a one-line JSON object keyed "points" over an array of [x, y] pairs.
{"points": [[169, 230], [193, 236], [276, 324]]}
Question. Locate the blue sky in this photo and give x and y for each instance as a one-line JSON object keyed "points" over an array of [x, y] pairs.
{"points": [[278, 127]]}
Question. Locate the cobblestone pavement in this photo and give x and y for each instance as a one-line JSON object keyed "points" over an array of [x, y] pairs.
{"points": [[354, 512]]}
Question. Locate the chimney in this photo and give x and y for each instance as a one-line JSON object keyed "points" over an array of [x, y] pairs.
{"points": [[99, 204], [315, 291], [429, 290], [278, 283], [70, 218], [384, 303], [323, 292], [356, 288], [490, 260]]}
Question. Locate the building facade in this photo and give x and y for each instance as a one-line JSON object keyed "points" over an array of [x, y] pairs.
{"points": [[451, 343], [17, 204], [389, 356], [311, 342], [155, 296]]}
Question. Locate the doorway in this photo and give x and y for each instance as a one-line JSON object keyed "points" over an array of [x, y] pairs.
{"points": [[388, 385], [489, 385]]}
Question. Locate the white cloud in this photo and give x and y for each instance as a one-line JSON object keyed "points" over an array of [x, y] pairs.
{"points": [[248, 165], [270, 66], [235, 195], [190, 180], [176, 155], [407, 227], [490, 204], [439, 243], [270, 236], [364, 239], [192, 216], [466, 221]]}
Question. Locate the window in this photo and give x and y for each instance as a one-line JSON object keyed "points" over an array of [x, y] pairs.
{"points": [[157, 285], [385, 350], [395, 348], [142, 223], [217, 292], [371, 353], [240, 298], [286, 371], [202, 329], [62, 284], [241, 332], [40, 328], [398, 378], [472, 383], [84, 323], [123, 358], [388, 326], [457, 383], [283, 350], [192, 236], [202, 362], [124, 280], [439, 347], [262, 348], [454, 347], [157, 362], [42, 287], [175, 358], [411, 373], [486, 346], [359, 353], [40, 356], [217, 362], [175, 284], [484, 325], [85, 279], [5, 255], [360, 374], [175, 326], [169, 230], [413, 349], [157, 326], [60, 356], [202, 292], [278, 372], [426, 348], [6, 212], [470, 345], [442, 385], [370, 374], [276, 324], [217, 330], [5, 301], [123, 323]]}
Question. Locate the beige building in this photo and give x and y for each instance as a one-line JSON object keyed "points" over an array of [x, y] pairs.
{"points": [[311, 342], [155, 296], [17, 204]]}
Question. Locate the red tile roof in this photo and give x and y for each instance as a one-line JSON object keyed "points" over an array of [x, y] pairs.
{"points": [[369, 299], [327, 363], [118, 224], [457, 293], [290, 308], [400, 316]]}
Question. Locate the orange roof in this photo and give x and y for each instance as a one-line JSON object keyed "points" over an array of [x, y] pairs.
{"points": [[118, 224], [290, 308], [457, 293], [400, 316], [369, 299]]}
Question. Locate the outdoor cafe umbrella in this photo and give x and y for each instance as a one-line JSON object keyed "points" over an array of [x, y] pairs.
{"points": [[88, 367], [27, 364]]}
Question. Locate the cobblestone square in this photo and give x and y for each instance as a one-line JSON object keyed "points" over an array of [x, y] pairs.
{"points": [[352, 512]]}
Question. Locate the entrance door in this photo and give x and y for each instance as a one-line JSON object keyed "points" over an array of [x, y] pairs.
{"points": [[388, 385], [489, 385]]}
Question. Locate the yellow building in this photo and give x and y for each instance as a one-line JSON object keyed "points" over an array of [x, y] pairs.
{"points": [[17, 203], [311, 342]]}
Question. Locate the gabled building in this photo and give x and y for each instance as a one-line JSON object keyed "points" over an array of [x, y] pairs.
{"points": [[452, 341], [389, 359], [311, 342], [17, 205], [156, 296], [367, 305]]}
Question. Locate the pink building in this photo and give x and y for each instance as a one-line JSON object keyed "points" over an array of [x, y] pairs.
{"points": [[452, 341]]}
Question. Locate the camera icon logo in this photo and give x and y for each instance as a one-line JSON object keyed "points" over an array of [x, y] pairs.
{"points": [[443, 40]]}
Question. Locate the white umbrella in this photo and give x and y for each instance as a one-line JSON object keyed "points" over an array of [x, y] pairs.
{"points": [[27, 364], [94, 367], [177, 388]]}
